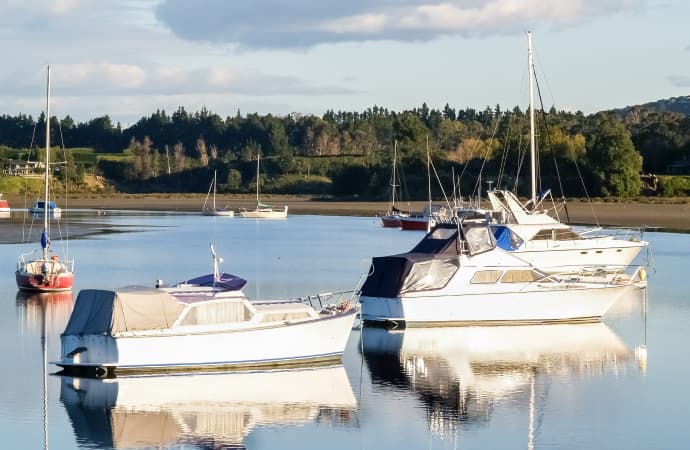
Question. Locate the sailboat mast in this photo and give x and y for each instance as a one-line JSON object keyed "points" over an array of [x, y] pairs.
{"points": [[532, 151], [258, 156], [395, 155], [214, 190], [47, 174]]}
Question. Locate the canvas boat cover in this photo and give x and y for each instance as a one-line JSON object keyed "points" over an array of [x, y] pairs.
{"points": [[135, 308], [225, 280], [430, 264]]}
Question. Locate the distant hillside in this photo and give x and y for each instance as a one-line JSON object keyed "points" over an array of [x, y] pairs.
{"points": [[674, 104]]}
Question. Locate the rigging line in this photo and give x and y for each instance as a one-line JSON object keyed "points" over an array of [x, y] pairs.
{"points": [[504, 157], [443, 191], [548, 137], [477, 188]]}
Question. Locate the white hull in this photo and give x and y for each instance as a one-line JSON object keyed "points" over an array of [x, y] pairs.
{"points": [[265, 214], [218, 213], [540, 303], [291, 343]]}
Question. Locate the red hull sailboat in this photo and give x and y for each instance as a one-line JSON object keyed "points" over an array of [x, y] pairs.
{"points": [[46, 272]]}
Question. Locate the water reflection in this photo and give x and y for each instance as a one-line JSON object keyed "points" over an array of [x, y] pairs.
{"points": [[461, 374], [35, 308], [215, 410]]}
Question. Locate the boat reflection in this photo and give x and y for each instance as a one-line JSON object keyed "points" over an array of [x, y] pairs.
{"points": [[461, 374], [33, 308], [212, 410]]}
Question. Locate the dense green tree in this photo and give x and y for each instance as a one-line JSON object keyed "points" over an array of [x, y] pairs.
{"points": [[613, 161]]}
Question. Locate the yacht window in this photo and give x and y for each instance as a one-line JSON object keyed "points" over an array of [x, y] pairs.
{"points": [[485, 276], [442, 233], [215, 313], [520, 276], [479, 239], [555, 234], [284, 316]]}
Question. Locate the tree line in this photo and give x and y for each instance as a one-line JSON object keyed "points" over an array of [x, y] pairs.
{"points": [[349, 154]]}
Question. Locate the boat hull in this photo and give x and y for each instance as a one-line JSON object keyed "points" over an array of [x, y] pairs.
{"points": [[218, 212], [307, 342], [414, 223], [265, 214], [390, 221], [42, 283], [536, 306]]}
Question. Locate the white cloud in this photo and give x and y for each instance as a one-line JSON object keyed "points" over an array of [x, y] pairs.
{"points": [[306, 23]]}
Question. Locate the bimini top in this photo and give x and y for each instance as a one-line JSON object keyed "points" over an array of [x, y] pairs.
{"points": [[430, 264], [133, 308]]}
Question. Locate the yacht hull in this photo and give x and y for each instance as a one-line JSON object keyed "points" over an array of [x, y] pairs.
{"points": [[305, 342], [537, 305]]}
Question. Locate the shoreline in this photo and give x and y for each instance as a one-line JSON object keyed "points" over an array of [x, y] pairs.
{"points": [[662, 215]]}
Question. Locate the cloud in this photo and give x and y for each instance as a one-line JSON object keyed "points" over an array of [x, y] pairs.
{"points": [[306, 23], [681, 81], [107, 78]]}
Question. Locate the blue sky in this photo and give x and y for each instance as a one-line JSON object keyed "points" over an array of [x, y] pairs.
{"points": [[129, 58]]}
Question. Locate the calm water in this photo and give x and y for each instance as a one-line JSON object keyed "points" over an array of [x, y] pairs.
{"points": [[564, 386]]}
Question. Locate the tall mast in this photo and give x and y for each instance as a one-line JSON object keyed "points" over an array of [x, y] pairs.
{"points": [[395, 155], [214, 190], [258, 155], [533, 163], [45, 195]]}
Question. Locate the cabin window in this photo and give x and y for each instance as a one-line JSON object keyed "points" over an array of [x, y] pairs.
{"points": [[215, 313], [521, 276], [485, 276], [284, 316], [556, 235]]}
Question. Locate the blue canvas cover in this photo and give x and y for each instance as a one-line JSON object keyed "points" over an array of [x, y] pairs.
{"points": [[226, 281]]}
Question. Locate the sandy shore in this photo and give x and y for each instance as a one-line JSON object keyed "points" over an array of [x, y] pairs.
{"points": [[667, 215]]}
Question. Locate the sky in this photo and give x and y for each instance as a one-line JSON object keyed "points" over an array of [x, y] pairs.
{"points": [[129, 58]]}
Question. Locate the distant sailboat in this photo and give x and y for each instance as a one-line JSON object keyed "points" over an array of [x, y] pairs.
{"points": [[263, 210], [45, 273], [213, 210], [392, 218]]}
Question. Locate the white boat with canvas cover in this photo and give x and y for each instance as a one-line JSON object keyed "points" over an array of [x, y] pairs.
{"points": [[457, 275], [204, 323], [529, 231], [202, 410]]}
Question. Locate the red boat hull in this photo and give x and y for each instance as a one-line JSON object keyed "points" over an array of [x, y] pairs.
{"points": [[390, 222], [414, 223], [41, 283]]}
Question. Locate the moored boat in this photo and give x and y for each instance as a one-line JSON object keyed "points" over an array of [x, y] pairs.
{"points": [[457, 275], [45, 272], [263, 210], [139, 329], [212, 209]]}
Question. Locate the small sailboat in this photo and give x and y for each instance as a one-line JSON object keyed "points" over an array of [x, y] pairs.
{"points": [[263, 210], [392, 218], [45, 272], [214, 210]]}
